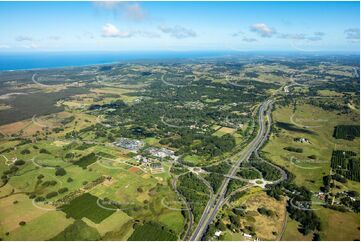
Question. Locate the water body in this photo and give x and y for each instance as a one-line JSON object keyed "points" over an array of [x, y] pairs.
{"points": [[44, 60], [26, 61]]}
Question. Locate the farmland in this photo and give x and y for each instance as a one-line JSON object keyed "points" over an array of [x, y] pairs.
{"points": [[136, 151]]}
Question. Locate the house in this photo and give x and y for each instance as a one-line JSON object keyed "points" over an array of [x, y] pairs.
{"points": [[218, 233], [302, 140], [247, 235]]}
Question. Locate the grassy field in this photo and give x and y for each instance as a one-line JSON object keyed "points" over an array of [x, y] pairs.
{"points": [[317, 126], [224, 130], [78, 230], [40, 228], [86, 206], [292, 234], [339, 226], [111, 223], [37, 225], [265, 227], [152, 231]]}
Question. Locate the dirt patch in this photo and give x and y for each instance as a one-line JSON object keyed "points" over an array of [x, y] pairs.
{"points": [[266, 225], [15, 127], [133, 169]]}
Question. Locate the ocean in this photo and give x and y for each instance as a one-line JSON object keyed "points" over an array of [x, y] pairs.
{"points": [[42, 60]]}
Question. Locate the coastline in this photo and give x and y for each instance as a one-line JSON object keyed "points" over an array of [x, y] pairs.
{"points": [[28, 61]]}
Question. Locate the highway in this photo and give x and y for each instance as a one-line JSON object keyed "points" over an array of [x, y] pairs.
{"points": [[216, 202]]}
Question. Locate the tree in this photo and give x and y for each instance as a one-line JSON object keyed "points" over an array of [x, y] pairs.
{"points": [[51, 194], [25, 152], [316, 237], [62, 190], [19, 162], [22, 223], [60, 171]]}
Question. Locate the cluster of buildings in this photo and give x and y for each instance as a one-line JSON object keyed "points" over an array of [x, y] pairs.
{"points": [[150, 156], [156, 154], [161, 153], [129, 144]]}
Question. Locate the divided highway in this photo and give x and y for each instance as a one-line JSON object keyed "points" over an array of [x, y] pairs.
{"points": [[216, 202]]}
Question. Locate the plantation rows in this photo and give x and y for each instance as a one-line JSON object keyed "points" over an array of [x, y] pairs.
{"points": [[348, 132], [346, 163]]}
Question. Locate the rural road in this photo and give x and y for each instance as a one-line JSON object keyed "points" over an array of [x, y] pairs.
{"points": [[217, 200], [190, 215]]}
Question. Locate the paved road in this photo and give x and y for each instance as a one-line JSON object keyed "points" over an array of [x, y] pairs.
{"points": [[190, 215], [215, 203]]}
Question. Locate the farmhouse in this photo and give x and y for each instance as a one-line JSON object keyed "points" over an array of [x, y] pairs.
{"points": [[302, 140], [247, 235], [218, 233]]}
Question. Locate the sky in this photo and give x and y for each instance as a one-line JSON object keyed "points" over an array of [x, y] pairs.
{"points": [[179, 26]]}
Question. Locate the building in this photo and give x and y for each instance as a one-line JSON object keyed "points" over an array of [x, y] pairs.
{"points": [[248, 236], [302, 140], [129, 144], [218, 233], [161, 153]]}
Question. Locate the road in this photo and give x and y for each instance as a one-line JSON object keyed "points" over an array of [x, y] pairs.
{"points": [[216, 202], [190, 215]]}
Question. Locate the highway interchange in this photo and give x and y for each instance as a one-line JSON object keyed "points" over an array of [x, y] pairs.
{"points": [[217, 200]]}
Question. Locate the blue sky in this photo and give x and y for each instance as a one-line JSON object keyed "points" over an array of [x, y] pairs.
{"points": [[179, 26]]}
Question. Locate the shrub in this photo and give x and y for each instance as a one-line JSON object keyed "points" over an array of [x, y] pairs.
{"points": [[293, 149], [265, 211], [62, 190], [32, 196], [19, 162], [51, 194], [60, 171], [49, 183], [44, 151], [39, 199], [22, 223], [25, 152]]}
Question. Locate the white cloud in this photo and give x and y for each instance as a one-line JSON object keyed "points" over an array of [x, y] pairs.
{"points": [[31, 46], [53, 37], [131, 11], [263, 30], [239, 33], [23, 38], [147, 34], [111, 31], [352, 33], [107, 4], [316, 36], [178, 31], [2, 46], [245, 39], [134, 12]]}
